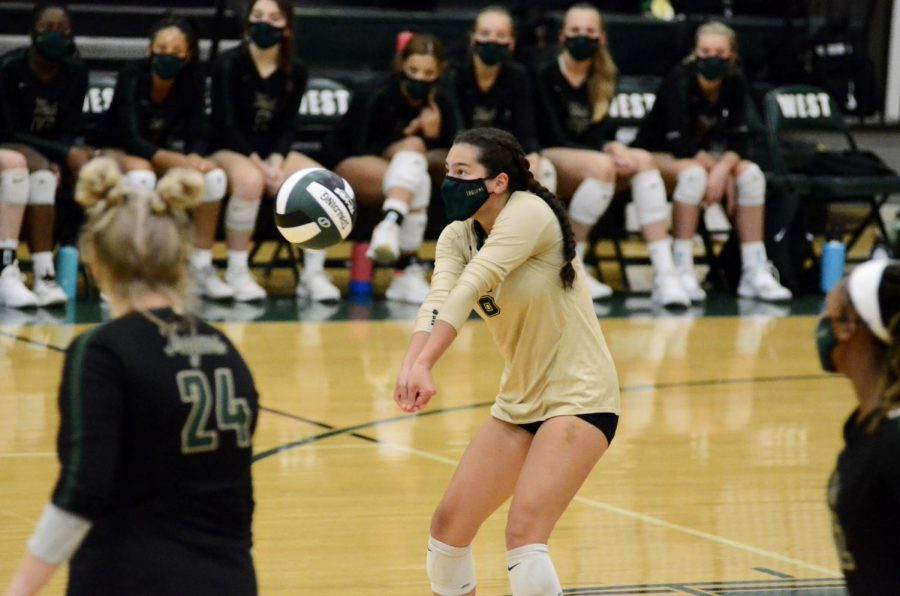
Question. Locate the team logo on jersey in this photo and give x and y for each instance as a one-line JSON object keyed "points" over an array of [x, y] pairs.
{"points": [[264, 110], [44, 116], [488, 306], [483, 116]]}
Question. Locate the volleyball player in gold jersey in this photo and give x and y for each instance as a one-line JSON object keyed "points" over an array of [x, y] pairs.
{"points": [[509, 253]]}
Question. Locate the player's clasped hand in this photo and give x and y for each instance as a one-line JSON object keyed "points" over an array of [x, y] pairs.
{"points": [[414, 389]]}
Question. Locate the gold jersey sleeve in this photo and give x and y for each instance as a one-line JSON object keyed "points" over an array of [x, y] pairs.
{"points": [[556, 358]]}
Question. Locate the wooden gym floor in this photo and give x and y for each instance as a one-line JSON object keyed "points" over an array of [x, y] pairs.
{"points": [[714, 484]]}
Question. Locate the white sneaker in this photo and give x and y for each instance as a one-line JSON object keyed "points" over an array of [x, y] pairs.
{"points": [[668, 291], [691, 285], [244, 286], [317, 287], [597, 288], [384, 248], [208, 284], [409, 286], [13, 292], [763, 284], [48, 291]]}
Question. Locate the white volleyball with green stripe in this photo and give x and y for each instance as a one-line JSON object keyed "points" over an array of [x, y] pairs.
{"points": [[315, 208]]}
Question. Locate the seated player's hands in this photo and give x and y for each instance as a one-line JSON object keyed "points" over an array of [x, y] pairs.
{"points": [[199, 163], [419, 388], [706, 159], [431, 120], [413, 128]]}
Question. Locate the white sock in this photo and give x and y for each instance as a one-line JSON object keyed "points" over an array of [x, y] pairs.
{"points": [[753, 255], [237, 260], [683, 254], [313, 261], [661, 255], [201, 258], [42, 263]]}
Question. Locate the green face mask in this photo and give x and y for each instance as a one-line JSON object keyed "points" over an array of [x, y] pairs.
{"points": [[463, 198], [167, 66], [711, 68], [416, 89], [582, 47], [825, 344], [265, 35], [491, 52], [53, 46]]}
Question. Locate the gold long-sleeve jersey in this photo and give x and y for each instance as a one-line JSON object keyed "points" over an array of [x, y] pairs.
{"points": [[556, 359]]}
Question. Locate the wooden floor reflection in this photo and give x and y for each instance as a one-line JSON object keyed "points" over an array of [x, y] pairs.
{"points": [[717, 473]]}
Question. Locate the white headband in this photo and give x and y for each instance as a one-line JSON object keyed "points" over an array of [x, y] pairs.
{"points": [[863, 285]]}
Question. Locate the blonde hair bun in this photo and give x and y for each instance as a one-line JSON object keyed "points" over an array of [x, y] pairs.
{"points": [[181, 188], [100, 179]]}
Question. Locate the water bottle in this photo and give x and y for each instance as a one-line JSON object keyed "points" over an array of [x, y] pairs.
{"points": [[833, 258], [67, 270], [360, 271]]}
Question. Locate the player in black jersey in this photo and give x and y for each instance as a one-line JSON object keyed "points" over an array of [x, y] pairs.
{"points": [[157, 413], [380, 147], [574, 90], [42, 89], [491, 89], [256, 93], [156, 122], [859, 336], [697, 131]]}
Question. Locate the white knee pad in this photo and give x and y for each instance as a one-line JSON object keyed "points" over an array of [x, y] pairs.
{"points": [[648, 191], [240, 214], [14, 186], [406, 170], [590, 201], [451, 569], [751, 187], [140, 180], [547, 174], [215, 185], [412, 230], [691, 185], [42, 188], [531, 572], [422, 196]]}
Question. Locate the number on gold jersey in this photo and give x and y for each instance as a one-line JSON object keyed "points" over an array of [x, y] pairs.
{"points": [[232, 413]]}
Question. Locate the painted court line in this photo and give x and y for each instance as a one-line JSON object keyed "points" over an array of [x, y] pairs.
{"points": [[649, 519]]}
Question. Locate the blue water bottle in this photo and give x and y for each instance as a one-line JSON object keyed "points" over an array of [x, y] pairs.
{"points": [[67, 270], [833, 258]]}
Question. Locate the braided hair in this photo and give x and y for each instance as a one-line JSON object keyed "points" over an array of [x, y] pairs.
{"points": [[499, 151]]}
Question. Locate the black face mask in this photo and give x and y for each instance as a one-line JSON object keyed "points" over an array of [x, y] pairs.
{"points": [[265, 35], [463, 198], [711, 68], [416, 89], [167, 66], [53, 46], [491, 52], [582, 47]]}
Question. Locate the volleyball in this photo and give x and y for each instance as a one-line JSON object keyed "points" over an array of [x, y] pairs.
{"points": [[315, 208]]}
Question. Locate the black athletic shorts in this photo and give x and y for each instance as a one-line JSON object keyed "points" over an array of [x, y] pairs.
{"points": [[605, 421]]}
